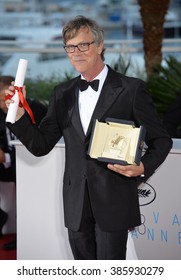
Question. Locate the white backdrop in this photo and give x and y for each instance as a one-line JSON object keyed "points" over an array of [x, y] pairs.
{"points": [[159, 236], [40, 226]]}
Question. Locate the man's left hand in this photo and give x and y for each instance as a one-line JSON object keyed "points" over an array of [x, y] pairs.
{"points": [[127, 170]]}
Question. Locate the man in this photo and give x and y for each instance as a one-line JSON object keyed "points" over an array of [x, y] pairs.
{"points": [[7, 151], [100, 199]]}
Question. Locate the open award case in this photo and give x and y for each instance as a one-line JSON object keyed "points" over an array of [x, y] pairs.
{"points": [[117, 141]]}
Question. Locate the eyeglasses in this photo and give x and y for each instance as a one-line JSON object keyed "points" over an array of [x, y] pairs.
{"points": [[82, 47]]}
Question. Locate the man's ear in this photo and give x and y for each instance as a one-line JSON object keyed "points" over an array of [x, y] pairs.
{"points": [[100, 47]]}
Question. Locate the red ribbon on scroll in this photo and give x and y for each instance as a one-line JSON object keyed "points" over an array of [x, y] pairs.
{"points": [[22, 103]]}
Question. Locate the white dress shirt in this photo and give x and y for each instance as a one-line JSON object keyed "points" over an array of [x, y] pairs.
{"points": [[88, 99]]}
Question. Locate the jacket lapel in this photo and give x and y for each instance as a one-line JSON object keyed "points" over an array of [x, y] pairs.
{"points": [[71, 101], [76, 121], [112, 88]]}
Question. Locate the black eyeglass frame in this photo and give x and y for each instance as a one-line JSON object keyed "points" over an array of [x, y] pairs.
{"points": [[78, 46]]}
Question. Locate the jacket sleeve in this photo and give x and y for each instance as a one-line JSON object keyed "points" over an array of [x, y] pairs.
{"points": [[39, 140]]}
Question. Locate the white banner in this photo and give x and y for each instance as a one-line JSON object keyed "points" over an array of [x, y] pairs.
{"points": [[89, 270]]}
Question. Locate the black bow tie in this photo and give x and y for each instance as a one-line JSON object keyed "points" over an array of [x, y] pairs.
{"points": [[83, 84]]}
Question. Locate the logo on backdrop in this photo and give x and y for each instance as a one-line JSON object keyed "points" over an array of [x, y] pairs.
{"points": [[146, 194]]}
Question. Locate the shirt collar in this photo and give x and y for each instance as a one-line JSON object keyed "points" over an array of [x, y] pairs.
{"points": [[101, 77]]}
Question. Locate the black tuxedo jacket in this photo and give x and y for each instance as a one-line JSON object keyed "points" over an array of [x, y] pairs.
{"points": [[113, 197]]}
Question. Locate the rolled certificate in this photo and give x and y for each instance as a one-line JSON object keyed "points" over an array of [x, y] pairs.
{"points": [[19, 81]]}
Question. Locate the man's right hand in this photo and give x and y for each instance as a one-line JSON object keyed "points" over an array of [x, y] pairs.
{"points": [[10, 92]]}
